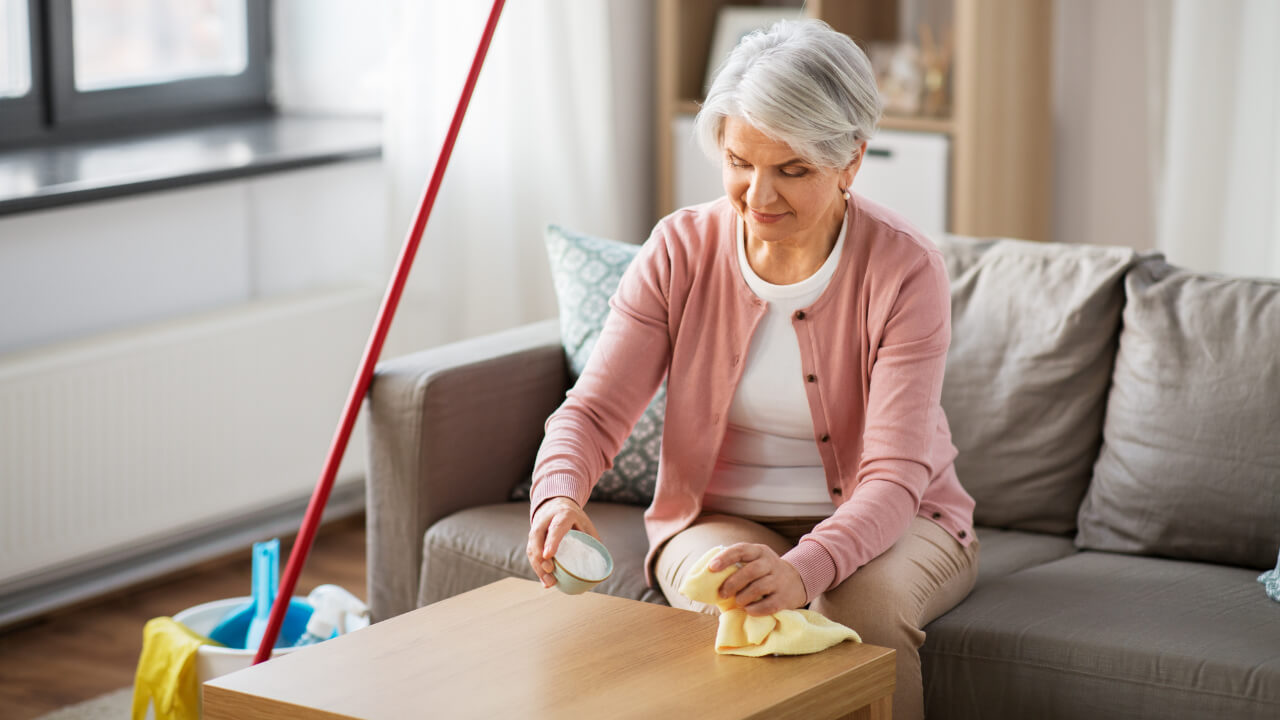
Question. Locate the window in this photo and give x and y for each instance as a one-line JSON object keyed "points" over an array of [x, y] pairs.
{"points": [[114, 66], [15, 50], [143, 42]]}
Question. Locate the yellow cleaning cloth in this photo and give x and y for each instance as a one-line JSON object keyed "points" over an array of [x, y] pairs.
{"points": [[167, 671], [786, 632]]}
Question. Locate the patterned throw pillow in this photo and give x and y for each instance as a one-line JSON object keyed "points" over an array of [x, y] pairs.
{"points": [[587, 271]]}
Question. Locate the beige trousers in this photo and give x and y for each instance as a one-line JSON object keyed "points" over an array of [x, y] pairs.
{"points": [[887, 601]]}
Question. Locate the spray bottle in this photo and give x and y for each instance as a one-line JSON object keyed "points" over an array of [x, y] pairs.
{"points": [[332, 607]]}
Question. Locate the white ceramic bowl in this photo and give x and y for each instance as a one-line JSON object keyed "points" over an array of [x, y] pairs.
{"points": [[571, 584]]}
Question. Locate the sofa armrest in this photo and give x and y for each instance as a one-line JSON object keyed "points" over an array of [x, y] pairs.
{"points": [[450, 428]]}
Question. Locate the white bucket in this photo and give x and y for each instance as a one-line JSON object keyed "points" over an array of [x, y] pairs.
{"points": [[211, 661]]}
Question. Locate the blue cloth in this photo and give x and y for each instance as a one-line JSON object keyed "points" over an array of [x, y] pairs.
{"points": [[1271, 582]]}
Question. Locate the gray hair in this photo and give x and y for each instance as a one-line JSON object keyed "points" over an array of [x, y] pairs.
{"points": [[799, 82]]}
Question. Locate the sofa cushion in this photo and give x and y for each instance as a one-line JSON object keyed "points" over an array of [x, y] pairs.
{"points": [[484, 544], [1190, 464], [1033, 334], [1004, 552], [586, 271], [1107, 635]]}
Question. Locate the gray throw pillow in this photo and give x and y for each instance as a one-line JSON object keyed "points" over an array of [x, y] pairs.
{"points": [[1190, 464], [586, 271], [1033, 336]]}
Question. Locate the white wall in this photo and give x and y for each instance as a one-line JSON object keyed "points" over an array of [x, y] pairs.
{"points": [[1103, 188], [68, 273], [87, 268], [139, 365]]}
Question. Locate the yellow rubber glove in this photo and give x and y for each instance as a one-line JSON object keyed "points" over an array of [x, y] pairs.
{"points": [[786, 632], [166, 674]]}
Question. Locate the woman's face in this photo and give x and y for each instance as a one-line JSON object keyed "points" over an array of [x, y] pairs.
{"points": [[781, 197]]}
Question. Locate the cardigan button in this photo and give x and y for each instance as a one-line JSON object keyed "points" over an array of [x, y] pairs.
{"points": [[963, 534], [811, 377], [799, 314], [937, 516]]}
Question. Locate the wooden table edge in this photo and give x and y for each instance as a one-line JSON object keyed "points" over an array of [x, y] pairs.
{"points": [[234, 705], [872, 700]]}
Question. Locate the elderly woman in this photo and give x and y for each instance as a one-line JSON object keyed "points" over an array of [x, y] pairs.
{"points": [[803, 330]]}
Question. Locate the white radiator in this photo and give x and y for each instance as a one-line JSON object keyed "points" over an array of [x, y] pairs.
{"points": [[138, 438]]}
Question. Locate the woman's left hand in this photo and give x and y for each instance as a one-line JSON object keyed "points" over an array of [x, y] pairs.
{"points": [[764, 584]]}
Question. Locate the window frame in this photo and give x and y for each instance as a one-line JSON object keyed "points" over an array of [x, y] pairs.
{"points": [[23, 118], [55, 110]]}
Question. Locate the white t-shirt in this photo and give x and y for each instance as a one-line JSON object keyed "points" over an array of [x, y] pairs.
{"points": [[769, 464]]}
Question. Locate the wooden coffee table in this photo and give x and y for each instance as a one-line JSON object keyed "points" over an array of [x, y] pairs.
{"points": [[514, 649]]}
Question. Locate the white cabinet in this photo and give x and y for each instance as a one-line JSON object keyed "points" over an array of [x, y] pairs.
{"points": [[697, 177], [907, 172]]}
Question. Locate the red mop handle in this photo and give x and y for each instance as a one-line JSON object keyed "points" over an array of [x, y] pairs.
{"points": [[310, 523]]}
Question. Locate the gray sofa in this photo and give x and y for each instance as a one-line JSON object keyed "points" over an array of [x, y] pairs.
{"points": [[1118, 421]]}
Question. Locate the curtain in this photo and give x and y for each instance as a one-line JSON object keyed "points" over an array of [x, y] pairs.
{"points": [[558, 132], [1218, 121]]}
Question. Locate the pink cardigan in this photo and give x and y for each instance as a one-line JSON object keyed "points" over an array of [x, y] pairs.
{"points": [[873, 348]]}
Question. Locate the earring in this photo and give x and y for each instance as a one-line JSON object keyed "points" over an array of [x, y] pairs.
{"points": [[846, 194]]}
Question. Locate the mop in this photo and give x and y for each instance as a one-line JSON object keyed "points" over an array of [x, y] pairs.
{"points": [[311, 521]]}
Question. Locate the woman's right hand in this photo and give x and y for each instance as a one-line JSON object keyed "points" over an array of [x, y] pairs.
{"points": [[551, 522]]}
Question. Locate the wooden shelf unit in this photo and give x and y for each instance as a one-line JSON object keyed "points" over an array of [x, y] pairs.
{"points": [[915, 123], [1000, 127]]}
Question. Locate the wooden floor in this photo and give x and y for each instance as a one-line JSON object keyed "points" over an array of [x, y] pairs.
{"points": [[78, 654]]}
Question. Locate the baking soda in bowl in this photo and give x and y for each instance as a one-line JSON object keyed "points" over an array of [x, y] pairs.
{"points": [[581, 559]]}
